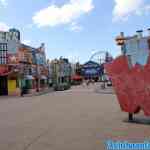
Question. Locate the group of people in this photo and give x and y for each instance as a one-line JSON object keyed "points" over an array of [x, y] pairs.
{"points": [[105, 82], [88, 82]]}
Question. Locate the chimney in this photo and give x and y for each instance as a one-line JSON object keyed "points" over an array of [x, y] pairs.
{"points": [[139, 33]]}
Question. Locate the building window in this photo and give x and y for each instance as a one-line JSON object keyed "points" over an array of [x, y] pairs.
{"points": [[3, 53]]}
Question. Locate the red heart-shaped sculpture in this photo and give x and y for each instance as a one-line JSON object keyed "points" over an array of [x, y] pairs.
{"points": [[132, 85]]}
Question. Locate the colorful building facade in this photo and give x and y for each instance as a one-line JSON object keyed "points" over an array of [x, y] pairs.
{"points": [[61, 73], [21, 66], [92, 70], [9, 45]]}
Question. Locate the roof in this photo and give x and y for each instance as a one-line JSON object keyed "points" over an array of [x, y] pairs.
{"points": [[26, 46], [91, 63]]}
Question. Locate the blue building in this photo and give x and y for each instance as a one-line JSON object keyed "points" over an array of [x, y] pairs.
{"points": [[92, 70]]}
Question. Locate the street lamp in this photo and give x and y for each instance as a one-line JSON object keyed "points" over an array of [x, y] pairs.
{"points": [[121, 42]]}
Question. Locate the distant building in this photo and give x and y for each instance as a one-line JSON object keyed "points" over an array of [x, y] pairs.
{"points": [[50, 72], [76, 75], [34, 67], [61, 73], [78, 69], [91, 70]]}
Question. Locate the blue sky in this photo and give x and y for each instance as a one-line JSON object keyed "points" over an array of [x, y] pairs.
{"points": [[74, 28]]}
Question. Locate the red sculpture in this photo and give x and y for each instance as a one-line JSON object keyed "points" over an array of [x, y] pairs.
{"points": [[131, 84]]}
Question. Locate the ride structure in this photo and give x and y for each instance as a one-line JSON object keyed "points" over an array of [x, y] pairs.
{"points": [[101, 57]]}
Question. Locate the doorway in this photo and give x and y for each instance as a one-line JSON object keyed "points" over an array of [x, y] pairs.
{"points": [[3, 86]]}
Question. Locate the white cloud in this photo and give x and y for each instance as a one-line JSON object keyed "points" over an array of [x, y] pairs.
{"points": [[125, 8], [75, 27], [4, 26], [66, 14], [27, 42], [147, 9], [3, 3]]}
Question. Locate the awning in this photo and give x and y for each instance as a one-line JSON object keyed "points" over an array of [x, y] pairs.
{"points": [[4, 70], [76, 77], [43, 77], [29, 77]]}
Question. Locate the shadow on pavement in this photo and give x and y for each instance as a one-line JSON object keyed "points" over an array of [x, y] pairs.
{"points": [[139, 120]]}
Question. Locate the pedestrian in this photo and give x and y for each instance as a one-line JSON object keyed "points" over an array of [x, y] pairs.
{"points": [[88, 82], [22, 91], [93, 81]]}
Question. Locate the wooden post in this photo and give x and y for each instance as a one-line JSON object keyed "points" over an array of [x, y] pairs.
{"points": [[130, 117]]}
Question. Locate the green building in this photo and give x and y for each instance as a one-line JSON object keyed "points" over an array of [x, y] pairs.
{"points": [[61, 74]]}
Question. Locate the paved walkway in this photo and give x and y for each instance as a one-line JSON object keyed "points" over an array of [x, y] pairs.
{"points": [[77, 119], [28, 95]]}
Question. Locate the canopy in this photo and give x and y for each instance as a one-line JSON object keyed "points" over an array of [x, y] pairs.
{"points": [[3, 71], [43, 77], [76, 77], [29, 77]]}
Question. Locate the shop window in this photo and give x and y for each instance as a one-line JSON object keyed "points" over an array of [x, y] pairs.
{"points": [[3, 53]]}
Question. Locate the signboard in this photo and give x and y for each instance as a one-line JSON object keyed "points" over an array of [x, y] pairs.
{"points": [[91, 71]]}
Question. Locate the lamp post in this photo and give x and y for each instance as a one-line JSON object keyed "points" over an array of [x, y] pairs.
{"points": [[38, 77], [120, 41]]}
